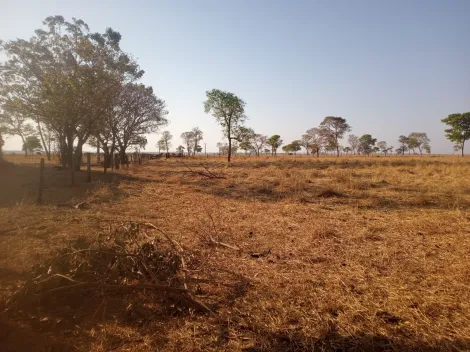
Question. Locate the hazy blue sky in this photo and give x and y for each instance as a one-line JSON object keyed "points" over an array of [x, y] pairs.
{"points": [[388, 67]]}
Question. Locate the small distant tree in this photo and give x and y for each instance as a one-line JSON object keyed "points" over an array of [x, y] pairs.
{"points": [[161, 145], [384, 148], [287, 148], [347, 150], [367, 144], [166, 140], [459, 129], [305, 142], [267, 151], [419, 140], [229, 112], [333, 129], [180, 150], [274, 142], [197, 136], [353, 143], [246, 146], [17, 125], [189, 139], [32, 144], [258, 141], [404, 144], [138, 143], [316, 140], [296, 146]]}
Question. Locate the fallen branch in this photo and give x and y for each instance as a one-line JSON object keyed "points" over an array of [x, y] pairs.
{"points": [[224, 244], [208, 174], [179, 249]]}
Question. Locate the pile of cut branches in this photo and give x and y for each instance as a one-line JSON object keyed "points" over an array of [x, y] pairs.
{"points": [[121, 260]]}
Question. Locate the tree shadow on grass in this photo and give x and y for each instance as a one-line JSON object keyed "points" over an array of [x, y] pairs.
{"points": [[19, 184], [335, 342]]}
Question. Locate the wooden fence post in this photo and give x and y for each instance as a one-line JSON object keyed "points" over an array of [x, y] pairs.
{"points": [[88, 166], [41, 182]]}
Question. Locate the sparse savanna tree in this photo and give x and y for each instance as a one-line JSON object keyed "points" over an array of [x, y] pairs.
{"points": [[353, 141], [274, 142], [258, 141], [189, 140], [383, 147], [347, 150], [459, 129], [165, 140], [296, 146], [367, 144], [404, 144], [197, 135], [287, 148], [333, 129], [180, 150], [229, 112], [316, 140], [293, 147], [160, 145], [305, 142], [420, 140]]}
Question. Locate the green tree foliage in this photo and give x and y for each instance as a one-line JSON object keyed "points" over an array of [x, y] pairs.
{"points": [[274, 142], [229, 112], [333, 129], [459, 129], [367, 144], [293, 147]]}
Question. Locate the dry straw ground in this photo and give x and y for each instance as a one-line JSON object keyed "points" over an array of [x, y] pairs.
{"points": [[336, 254]]}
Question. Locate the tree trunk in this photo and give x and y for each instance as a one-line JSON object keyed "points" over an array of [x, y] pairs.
{"points": [[463, 145], [48, 150], [63, 151], [123, 156], [70, 159], [98, 157], [229, 154], [337, 149], [78, 156]]}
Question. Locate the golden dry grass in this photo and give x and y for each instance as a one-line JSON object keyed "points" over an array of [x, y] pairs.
{"points": [[362, 254]]}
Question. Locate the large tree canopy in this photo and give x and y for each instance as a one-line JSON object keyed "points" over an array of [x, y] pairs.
{"points": [[76, 84]]}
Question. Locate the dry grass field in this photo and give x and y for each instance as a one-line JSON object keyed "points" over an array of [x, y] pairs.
{"points": [[334, 254]]}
